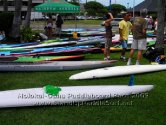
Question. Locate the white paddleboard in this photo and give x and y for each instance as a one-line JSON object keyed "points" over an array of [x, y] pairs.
{"points": [[117, 71], [72, 94], [130, 38], [42, 45]]}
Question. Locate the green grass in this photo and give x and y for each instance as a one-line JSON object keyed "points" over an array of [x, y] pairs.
{"points": [[132, 111], [84, 22]]}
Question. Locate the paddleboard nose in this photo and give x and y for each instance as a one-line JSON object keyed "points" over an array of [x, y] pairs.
{"points": [[80, 76], [72, 77], [150, 87]]}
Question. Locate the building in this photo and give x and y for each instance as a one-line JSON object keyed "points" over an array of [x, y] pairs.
{"points": [[150, 5], [11, 7], [24, 4]]}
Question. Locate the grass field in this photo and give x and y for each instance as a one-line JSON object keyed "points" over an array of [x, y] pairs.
{"points": [[145, 109]]}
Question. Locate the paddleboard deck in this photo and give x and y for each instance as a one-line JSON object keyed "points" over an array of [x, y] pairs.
{"points": [[53, 95], [54, 66], [40, 58], [117, 71]]}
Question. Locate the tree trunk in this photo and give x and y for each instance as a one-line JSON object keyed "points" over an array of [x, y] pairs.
{"points": [[5, 5], [17, 19], [161, 23], [28, 15]]}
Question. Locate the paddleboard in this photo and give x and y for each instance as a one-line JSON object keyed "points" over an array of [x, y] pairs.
{"points": [[40, 58], [18, 44], [73, 30], [92, 33], [40, 46], [53, 52], [39, 50], [115, 39], [116, 48], [117, 71], [53, 95], [54, 66], [90, 41]]}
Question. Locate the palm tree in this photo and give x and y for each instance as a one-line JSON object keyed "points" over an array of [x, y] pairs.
{"points": [[17, 19], [5, 5], [28, 15], [161, 23]]}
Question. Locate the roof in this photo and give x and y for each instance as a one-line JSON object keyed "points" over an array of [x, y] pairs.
{"points": [[150, 5], [57, 6]]}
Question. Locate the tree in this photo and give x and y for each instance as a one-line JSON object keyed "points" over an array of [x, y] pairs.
{"points": [[5, 5], [95, 9], [75, 2], [161, 23], [6, 20], [17, 19], [117, 8], [28, 15]]}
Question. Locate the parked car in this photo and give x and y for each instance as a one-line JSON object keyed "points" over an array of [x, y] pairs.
{"points": [[116, 21], [81, 17]]}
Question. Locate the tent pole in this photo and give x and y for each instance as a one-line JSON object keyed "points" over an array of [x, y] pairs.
{"points": [[38, 21], [75, 21], [45, 24]]}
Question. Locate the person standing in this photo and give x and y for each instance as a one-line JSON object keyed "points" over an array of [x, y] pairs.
{"points": [[124, 27], [155, 26], [49, 27], [108, 29], [59, 22], [150, 23], [139, 37]]}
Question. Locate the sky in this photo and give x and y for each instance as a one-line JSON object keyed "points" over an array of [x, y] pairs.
{"points": [[126, 3]]}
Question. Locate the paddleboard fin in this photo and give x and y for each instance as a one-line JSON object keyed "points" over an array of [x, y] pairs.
{"points": [[131, 81]]}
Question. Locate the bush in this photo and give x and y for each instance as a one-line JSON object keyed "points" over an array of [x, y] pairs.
{"points": [[26, 34], [6, 21]]}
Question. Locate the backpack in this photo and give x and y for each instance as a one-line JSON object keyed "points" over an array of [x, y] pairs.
{"points": [[155, 55]]}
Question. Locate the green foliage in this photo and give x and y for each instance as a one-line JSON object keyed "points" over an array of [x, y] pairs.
{"points": [[26, 34], [154, 15], [74, 2], [117, 8], [95, 9], [6, 20]]}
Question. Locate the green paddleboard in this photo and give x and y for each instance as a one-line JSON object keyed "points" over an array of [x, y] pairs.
{"points": [[51, 41], [36, 59], [151, 43], [46, 58], [12, 49]]}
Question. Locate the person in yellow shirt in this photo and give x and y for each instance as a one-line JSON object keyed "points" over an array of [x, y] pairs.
{"points": [[124, 28]]}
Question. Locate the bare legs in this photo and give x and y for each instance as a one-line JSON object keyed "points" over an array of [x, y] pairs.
{"points": [[107, 52], [123, 52], [107, 48], [139, 56]]}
